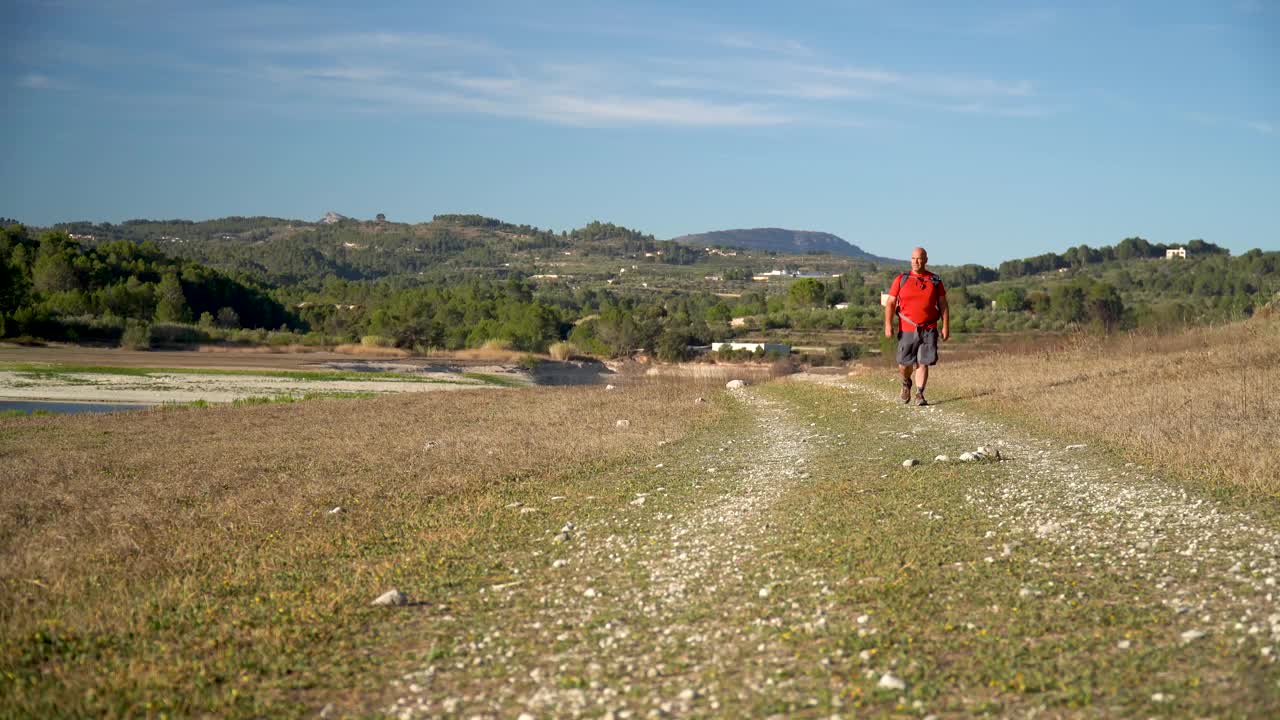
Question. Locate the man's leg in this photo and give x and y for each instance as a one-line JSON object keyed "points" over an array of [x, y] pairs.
{"points": [[922, 377], [905, 371]]}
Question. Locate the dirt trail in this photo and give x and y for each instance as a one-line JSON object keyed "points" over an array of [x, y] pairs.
{"points": [[669, 600], [1215, 568], [668, 608]]}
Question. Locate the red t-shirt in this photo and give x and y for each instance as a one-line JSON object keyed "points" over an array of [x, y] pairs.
{"points": [[919, 298]]}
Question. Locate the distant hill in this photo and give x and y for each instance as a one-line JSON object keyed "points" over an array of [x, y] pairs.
{"points": [[790, 242]]}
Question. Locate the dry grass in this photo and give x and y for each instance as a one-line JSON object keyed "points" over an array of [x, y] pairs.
{"points": [[371, 351], [254, 349], [562, 351], [176, 556], [1205, 402]]}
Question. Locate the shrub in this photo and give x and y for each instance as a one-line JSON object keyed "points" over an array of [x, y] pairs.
{"points": [[175, 334], [562, 350], [377, 341], [136, 336]]}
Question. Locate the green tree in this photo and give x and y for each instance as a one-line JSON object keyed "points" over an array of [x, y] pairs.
{"points": [[1012, 299], [807, 292], [171, 304], [1104, 306]]}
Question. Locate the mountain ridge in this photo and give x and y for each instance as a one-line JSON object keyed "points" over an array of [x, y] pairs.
{"points": [[783, 240]]}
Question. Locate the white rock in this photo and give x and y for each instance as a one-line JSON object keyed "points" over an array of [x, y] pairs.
{"points": [[608, 387], [968, 457], [638, 501], [688, 694], [764, 592], [1076, 447], [568, 527], [891, 682], [1048, 528], [942, 458], [559, 563], [561, 537], [527, 510], [337, 510], [1190, 635], [390, 598], [1124, 644], [912, 462], [735, 384], [699, 400], [525, 716], [622, 424], [1160, 697], [1026, 593], [590, 593]]}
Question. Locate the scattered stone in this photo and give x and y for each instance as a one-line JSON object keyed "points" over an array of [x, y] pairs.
{"points": [[1047, 528], [764, 592], [639, 501], [590, 593], [890, 681], [912, 462], [699, 400], [1191, 635], [527, 716], [527, 510], [559, 563], [735, 384], [1124, 644], [942, 458], [328, 711], [622, 424], [1076, 447], [391, 598], [516, 504], [1160, 697], [561, 537], [688, 694], [608, 387], [337, 510], [968, 457]]}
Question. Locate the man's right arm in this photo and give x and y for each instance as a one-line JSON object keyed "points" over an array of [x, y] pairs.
{"points": [[889, 311]]}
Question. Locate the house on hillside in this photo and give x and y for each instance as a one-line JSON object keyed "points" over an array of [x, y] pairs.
{"points": [[1172, 253], [752, 347]]}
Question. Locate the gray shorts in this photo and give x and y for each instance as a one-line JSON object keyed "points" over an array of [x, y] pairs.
{"points": [[918, 348]]}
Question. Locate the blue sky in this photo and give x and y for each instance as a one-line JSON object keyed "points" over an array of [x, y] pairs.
{"points": [[983, 131]]}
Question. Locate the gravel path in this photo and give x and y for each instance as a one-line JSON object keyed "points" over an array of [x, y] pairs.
{"points": [[678, 603], [671, 600], [1216, 568]]}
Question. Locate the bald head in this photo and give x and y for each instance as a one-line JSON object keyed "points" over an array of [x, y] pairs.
{"points": [[919, 258]]}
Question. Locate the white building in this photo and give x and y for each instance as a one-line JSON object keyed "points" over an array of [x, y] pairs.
{"points": [[1172, 253]]}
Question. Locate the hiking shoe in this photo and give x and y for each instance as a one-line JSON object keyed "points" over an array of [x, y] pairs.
{"points": [[920, 401], [905, 395]]}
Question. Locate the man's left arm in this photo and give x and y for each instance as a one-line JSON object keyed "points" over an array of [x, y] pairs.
{"points": [[946, 317]]}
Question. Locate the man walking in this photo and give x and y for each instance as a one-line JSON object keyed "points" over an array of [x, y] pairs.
{"points": [[920, 302]]}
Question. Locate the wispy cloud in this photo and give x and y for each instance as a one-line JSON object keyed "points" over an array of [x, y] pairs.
{"points": [[35, 81], [1258, 126], [763, 43], [732, 79]]}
